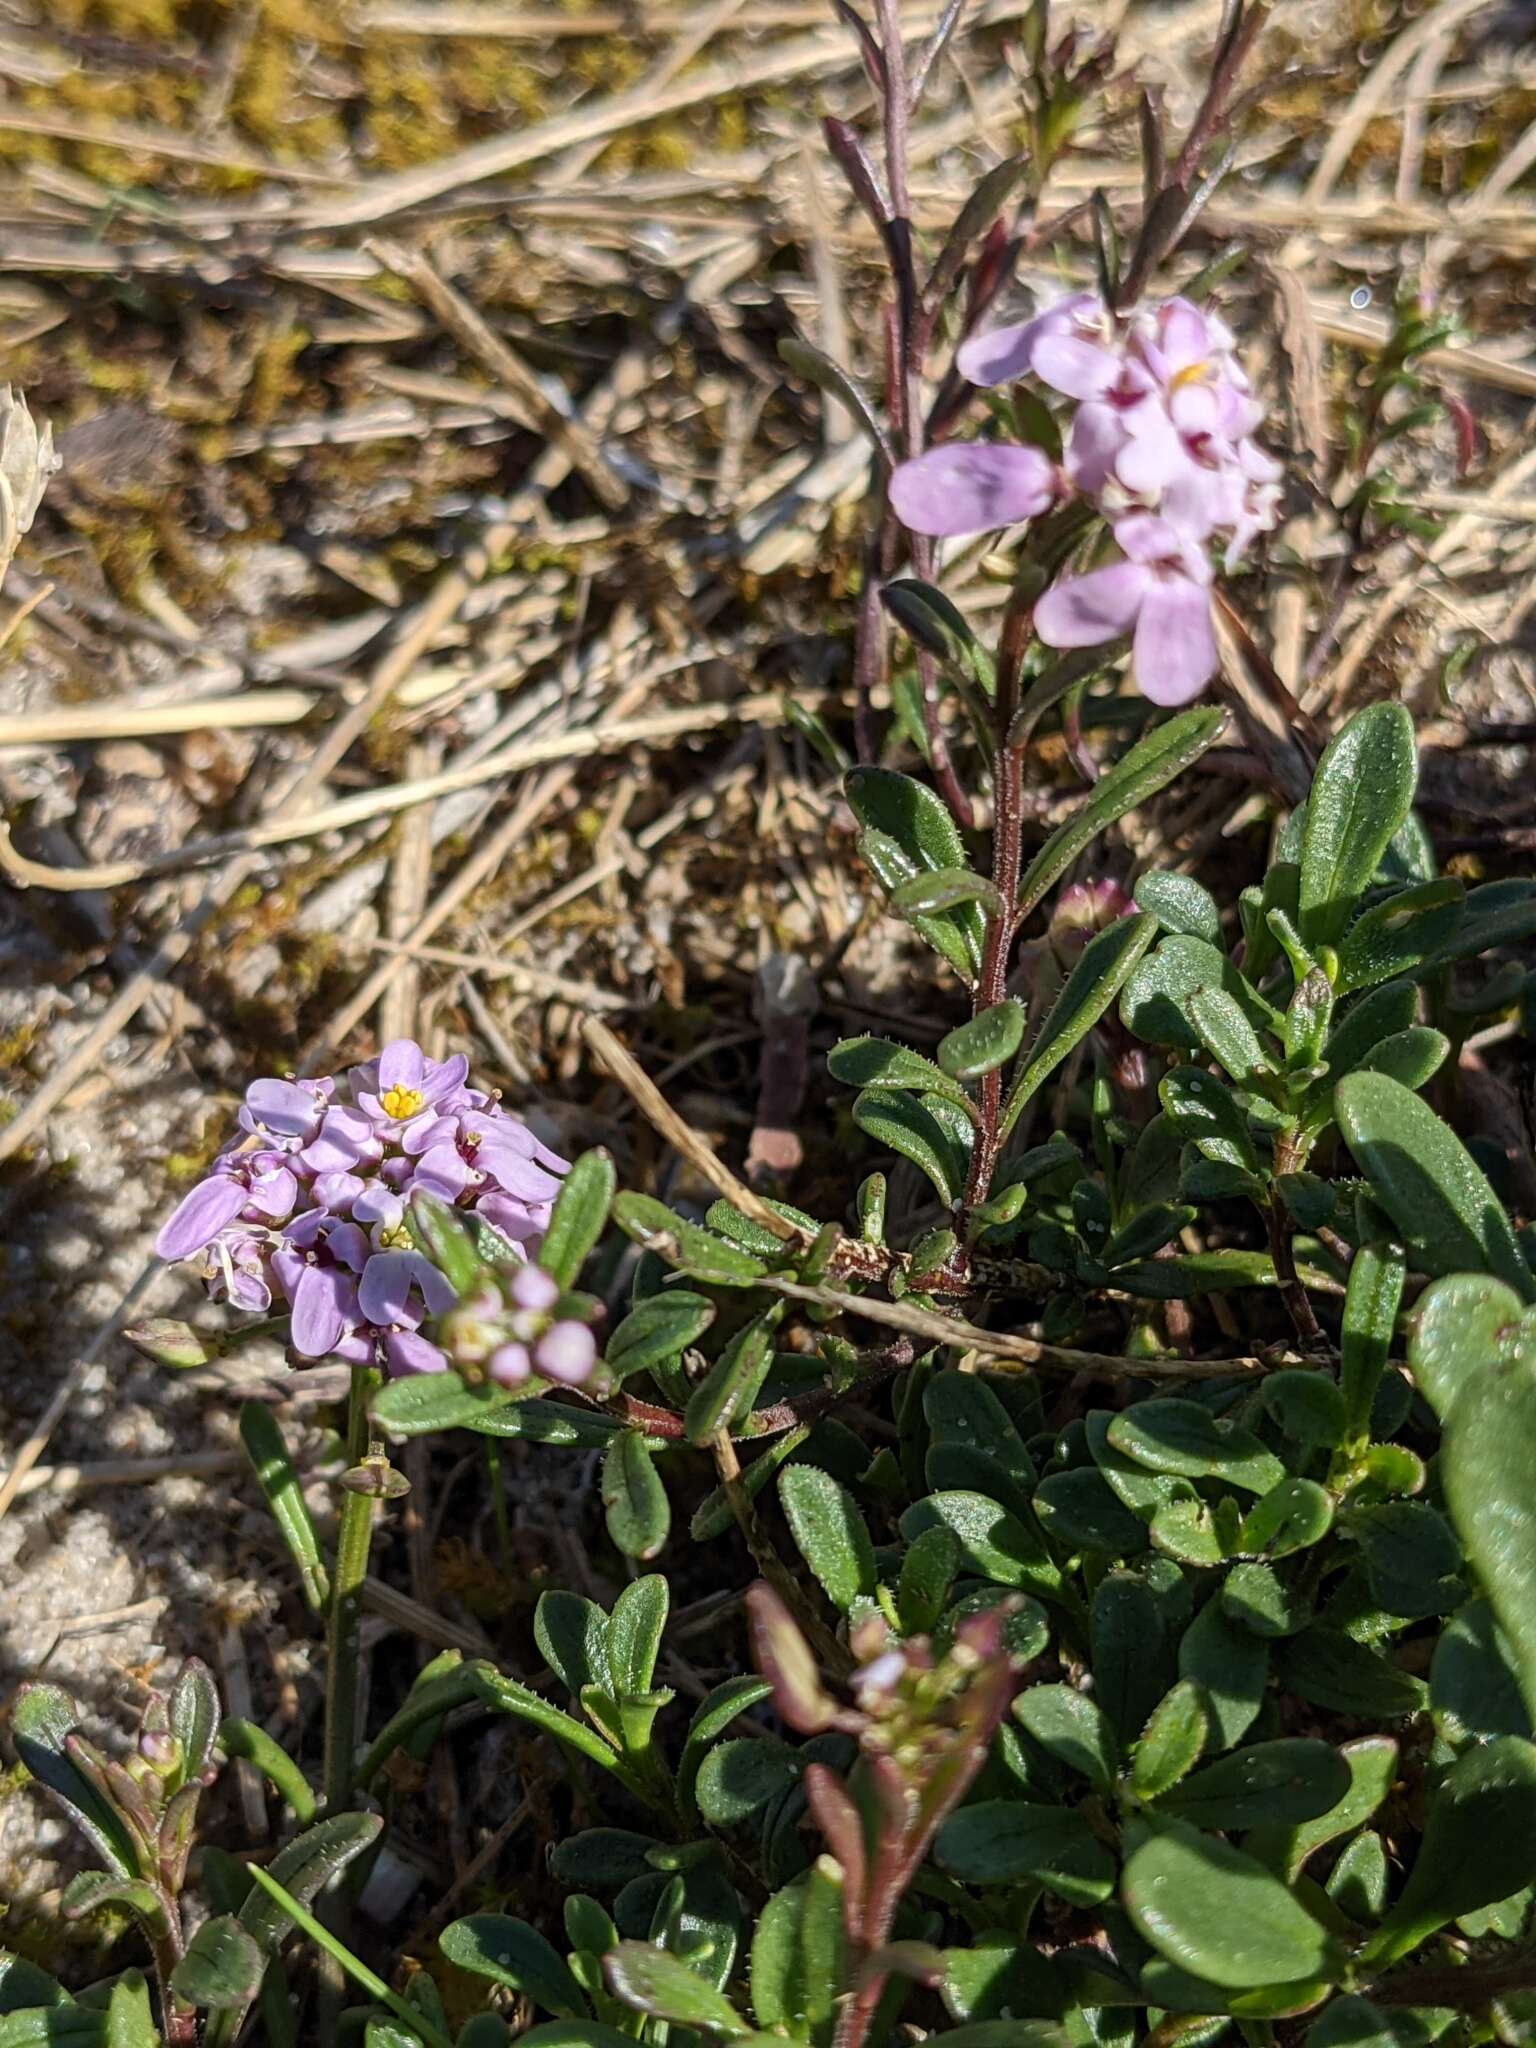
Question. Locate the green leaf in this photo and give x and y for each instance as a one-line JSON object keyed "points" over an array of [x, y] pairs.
{"points": [[92, 1889], [987, 199], [1225, 1033], [881, 1063], [1171, 1742], [634, 1634], [579, 1216], [830, 1533], [443, 1233], [1183, 1438], [662, 1985], [1372, 1764], [1277, 1783], [742, 1774], [711, 1719], [938, 889], [1217, 1913], [1478, 1846], [1257, 1597], [797, 1967], [512, 1953], [1005, 1841], [1152, 763], [1362, 792], [1231, 1667], [961, 1409], [906, 1124], [1497, 914], [653, 1226], [1071, 1726], [222, 1967], [243, 1739], [1180, 905], [1460, 1325], [1127, 1641], [1307, 1407], [423, 1403], [1412, 1562], [927, 1573], [998, 1975], [1473, 1691], [1293, 1515], [194, 1711], [1427, 1182], [634, 1500], [1205, 1113], [304, 1867], [798, 355], [42, 1720], [726, 1393], [506, 1696], [903, 818], [538, 1421], [1330, 1669], [130, 2022], [995, 1544], [1102, 970], [1485, 1469], [662, 1326], [575, 2034], [1080, 1511], [572, 1635], [1399, 935], [928, 617], [1371, 1299], [280, 1487], [955, 932], [1156, 1004], [988, 1041], [23, 1984]]}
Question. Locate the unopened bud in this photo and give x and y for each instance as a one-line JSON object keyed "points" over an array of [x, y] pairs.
{"points": [[160, 1750]]}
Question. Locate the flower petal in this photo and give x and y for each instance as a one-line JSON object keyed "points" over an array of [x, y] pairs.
{"points": [[1087, 610], [1074, 367], [999, 356], [972, 487], [200, 1215], [406, 1352], [320, 1304], [284, 1107], [384, 1292], [1174, 654], [402, 1064]]}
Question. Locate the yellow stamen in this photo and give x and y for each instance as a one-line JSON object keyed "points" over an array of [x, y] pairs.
{"points": [[1192, 373], [401, 1102]]}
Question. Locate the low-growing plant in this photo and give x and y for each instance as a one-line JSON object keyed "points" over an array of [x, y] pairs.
{"points": [[1142, 1617]]}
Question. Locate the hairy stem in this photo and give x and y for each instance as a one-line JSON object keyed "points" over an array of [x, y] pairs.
{"points": [[1007, 854], [344, 1619]]}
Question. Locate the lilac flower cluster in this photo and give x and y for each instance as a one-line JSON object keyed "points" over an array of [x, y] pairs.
{"points": [[1161, 442], [308, 1207]]}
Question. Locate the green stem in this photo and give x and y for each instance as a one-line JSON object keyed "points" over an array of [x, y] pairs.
{"points": [[344, 1620]]}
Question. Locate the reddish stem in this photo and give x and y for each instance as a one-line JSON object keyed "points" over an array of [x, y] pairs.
{"points": [[1007, 854]]}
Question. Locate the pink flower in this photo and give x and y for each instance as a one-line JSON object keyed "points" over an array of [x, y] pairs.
{"points": [[1160, 593], [973, 486], [1004, 354], [318, 1217]]}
